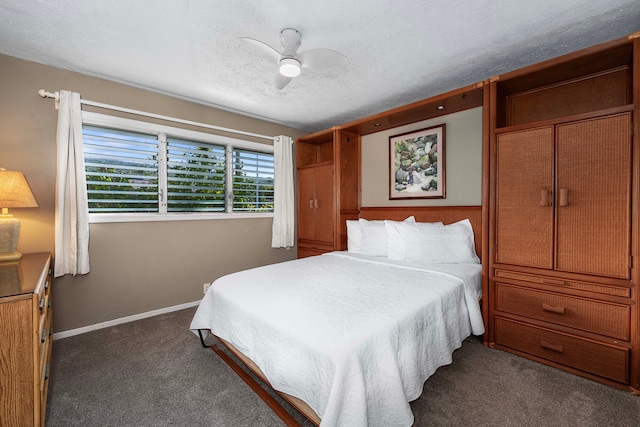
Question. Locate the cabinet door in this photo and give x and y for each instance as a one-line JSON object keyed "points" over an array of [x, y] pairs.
{"points": [[324, 207], [524, 202], [593, 196], [306, 195]]}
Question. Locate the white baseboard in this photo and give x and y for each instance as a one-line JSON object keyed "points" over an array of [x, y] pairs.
{"points": [[121, 320]]}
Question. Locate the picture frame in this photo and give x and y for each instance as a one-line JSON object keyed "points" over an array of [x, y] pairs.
{"points": [[417, 164]]}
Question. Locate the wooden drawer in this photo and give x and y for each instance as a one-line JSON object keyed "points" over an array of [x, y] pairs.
{"points": [[25, 340], [599, 288], [590, 315], [45, 348], [604, 360]]}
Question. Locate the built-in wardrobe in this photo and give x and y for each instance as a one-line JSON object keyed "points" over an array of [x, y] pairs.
{"points": [[328, 185], [563, 169]]}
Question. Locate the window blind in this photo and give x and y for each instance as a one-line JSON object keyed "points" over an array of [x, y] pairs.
{"points": [[121, 170]]}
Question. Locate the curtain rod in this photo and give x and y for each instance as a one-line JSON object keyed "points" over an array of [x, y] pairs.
{"points": [[56, 96]]}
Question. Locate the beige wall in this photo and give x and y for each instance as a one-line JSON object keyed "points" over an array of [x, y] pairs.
{"points": [[463, 153], [135, 267]]}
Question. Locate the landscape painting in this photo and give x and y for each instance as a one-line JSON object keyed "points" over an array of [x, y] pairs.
{"points": [[416, 164]]}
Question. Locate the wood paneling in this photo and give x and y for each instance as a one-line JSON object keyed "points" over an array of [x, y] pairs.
{"points": [[328, 189], [25, 340], [594, 171], [524, 171], [588, 314], [604, 360], [451, 102], [572, 305], [568, 98], [306, 211], [324, 204]]}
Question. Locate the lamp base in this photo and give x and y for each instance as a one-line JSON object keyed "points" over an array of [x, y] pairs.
{"points": [[9, 235]]}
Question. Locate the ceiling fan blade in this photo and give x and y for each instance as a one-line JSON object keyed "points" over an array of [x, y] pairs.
{"points": [[263, 46], [322, 58], [282, 81]]}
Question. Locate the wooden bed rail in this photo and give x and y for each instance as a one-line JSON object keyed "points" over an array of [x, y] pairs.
{"points": [[272, 403]]}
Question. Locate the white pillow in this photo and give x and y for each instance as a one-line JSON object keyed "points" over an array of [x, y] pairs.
{"points": [[396, 246], [374, 242], [374, 236], [450, 244], [354, 236]]}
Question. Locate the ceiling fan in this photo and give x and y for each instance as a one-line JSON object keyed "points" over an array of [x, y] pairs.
{"points": [[290, 61]]}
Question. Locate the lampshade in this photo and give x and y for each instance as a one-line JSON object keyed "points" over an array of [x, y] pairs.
{"points": [[14, 193], [289, 67]]}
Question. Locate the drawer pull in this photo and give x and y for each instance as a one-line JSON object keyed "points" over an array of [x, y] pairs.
{"points": [[43, 338], [564, 197], [552, 309], [545, 198], [41, 304], [548, 281], [553, 347], [46, 285], [46, 372]]}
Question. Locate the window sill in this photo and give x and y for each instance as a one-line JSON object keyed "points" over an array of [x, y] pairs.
{"points": [[111, 217]]}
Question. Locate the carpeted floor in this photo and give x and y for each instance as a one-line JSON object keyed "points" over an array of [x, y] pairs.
{"points": [[154, 372]]}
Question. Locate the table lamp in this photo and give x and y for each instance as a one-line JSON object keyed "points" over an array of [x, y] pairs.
{"points": [[14, 193]]}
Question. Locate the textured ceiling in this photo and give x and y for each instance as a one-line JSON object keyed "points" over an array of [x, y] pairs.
{"points": [[399, 51]]}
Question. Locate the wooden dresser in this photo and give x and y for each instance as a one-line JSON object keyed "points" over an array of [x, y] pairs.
{"points": [[564, 177], [328, 178], [25, 339]]}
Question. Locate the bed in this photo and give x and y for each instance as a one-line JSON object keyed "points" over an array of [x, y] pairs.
{"points": [[350, 337]]}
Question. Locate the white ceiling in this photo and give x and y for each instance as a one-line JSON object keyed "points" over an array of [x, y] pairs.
{"points": [[399, 51]]}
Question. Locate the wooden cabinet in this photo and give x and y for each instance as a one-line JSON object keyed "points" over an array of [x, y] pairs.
{"points": [[328, 183], [563, 193], [25, 339], [562, 185], [316, 203]]}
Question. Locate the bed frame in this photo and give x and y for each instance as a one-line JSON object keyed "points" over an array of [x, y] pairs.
{"points": [[446, 214]]}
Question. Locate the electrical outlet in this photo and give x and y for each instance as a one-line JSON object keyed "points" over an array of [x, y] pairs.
{"points": [[205, 288]]}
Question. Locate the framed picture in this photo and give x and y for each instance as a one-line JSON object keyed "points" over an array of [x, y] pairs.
{"points": [[416, 164]]}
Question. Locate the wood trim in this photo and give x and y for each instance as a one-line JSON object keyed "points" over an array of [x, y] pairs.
{"points": [[454, 101], [488, 118], [593, 59], [635, 218], [567, 119]]}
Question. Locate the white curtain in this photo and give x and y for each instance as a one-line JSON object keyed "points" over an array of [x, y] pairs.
{"points": [[72, 208], [284, 194]]}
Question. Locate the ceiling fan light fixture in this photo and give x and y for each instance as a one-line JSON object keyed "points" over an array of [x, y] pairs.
{"points": [[289, 67]]}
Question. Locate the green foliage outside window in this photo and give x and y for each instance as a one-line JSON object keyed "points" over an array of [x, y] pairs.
{"points": [[122, 175]]}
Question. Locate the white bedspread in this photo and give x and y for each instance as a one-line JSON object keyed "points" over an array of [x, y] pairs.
{"points": [[354, 337]]}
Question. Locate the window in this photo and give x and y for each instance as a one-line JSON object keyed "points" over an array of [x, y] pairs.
{"points": [[121, 169], [252, 181], [195, 176], [137, 167]]}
